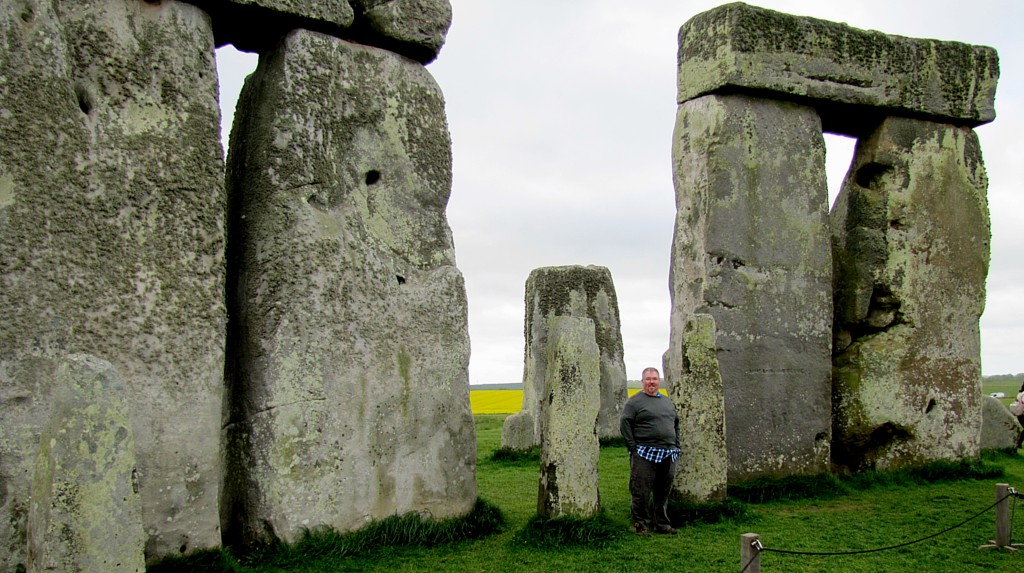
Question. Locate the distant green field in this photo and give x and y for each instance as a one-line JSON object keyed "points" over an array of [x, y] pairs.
{"points": [[1008, 387]]}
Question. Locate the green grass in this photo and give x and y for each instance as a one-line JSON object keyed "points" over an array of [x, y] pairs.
{"points": [[814, 514]]}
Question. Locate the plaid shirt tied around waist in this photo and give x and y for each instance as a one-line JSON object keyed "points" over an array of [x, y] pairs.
{"points": [[657, 455]]}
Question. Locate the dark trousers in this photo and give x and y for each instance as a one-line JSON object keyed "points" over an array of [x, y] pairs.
{"points": [[649, 480]]}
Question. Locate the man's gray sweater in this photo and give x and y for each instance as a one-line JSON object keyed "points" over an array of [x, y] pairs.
{"points": [[649, 421]]}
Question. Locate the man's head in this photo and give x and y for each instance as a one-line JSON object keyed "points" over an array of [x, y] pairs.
{"points": [[650, 380]]}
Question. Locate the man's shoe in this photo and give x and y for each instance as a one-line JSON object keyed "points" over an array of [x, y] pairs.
{"points": [[641, 529], [665, 530]]}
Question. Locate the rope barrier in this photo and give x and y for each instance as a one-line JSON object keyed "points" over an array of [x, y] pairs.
{"points": [[756, 544], [890, 547]]}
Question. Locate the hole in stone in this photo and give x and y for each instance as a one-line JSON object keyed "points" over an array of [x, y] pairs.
{"points": [[870, 175], [372, 176], [85, 101], [896, 224], [930, 407], [27, 15], [401, 279], [183, 548]]}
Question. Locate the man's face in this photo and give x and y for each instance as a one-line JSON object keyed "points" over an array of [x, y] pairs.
{"points": [[650, 382]]}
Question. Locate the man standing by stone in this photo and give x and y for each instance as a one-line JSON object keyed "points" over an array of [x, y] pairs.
{"points": [[650, 426]]}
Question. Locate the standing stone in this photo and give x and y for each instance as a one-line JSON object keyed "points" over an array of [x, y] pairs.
{"points": [[751, 249], [701, 473], [911, 241], [86, 514], [999, 428], [580, 291], [568, 416], [349, 348], [111, 242]]}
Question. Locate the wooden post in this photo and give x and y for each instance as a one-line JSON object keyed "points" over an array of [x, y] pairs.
{"points": [[1002, 515], [1002, 540], [750, 555]]}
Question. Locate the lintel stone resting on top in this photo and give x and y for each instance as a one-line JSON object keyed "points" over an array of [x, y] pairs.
{"points": [[839, 68], [415, 29]]}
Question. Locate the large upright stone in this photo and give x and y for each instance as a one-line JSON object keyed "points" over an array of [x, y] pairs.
{"points": [[841, 70], [911, 238], [702, 471], [348, 366], [111, 242], [568, 416], [86, 514], [580, 291], [751, 248]]}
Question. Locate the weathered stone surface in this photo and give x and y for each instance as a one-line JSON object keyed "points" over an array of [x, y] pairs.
{"points": [[414, 27], [751, 248], [911, 247], [737, 47], [86, 513], [580, 291], [568, 420], [348, 382], [702, 471], [999, 428], [334, 12], [111, 242], [519, 431]]}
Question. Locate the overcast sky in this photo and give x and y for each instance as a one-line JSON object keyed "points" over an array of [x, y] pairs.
{"points": [[561, 115]]}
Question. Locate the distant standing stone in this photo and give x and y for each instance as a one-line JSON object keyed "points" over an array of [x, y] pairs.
{"points": [[579, 291]]}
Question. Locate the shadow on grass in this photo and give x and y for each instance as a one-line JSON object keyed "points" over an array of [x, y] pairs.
{"points": [[682, 513], [513, 456], [556, 533], [326, 544], [827, 486]]}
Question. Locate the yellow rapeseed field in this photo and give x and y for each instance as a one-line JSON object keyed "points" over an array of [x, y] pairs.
{"points": [[504, 401], [495, 401]]}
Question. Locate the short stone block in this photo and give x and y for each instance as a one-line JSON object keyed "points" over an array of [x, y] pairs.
{"points": [[568, 417]]}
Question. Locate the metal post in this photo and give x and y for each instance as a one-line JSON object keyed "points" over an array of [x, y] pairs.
{"points": [[750, 553]]}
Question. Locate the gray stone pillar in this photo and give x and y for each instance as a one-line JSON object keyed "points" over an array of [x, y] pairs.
{"points": [[702, 468], [751, 249], [568, 416], [580, 291], [111, 242], [86, 513], [911, 238], [348, 381]]}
